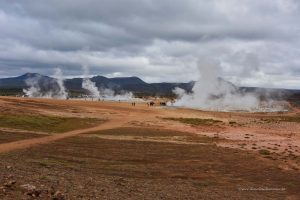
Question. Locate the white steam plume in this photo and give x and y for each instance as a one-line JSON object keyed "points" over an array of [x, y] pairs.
{"points": [[110, 95], [61, 93], [213, 93], [89, 85], [42, 87], [34, 89], [104, 93]]}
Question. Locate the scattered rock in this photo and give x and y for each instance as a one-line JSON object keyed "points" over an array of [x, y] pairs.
{"points": [[30, 190], [9, 184], [58, 196], [8, 167], [2, 189], [51, 190], [27, 187]]}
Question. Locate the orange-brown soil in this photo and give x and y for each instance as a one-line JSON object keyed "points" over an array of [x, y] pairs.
{"points": [[136, 152]]}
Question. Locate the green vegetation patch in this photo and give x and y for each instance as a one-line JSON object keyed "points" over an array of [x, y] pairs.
{"points": [[264, 152], [55, 161], [155, 134], [195, 121], [295, 118], [15, 136], [50, 124], [233, 123], [139, 132]]}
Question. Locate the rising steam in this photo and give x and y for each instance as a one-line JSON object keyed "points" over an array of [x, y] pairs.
{"points": [[42, 87], [89, 85], [104, 93], [61, 93], [213, 93], [111, 95]]}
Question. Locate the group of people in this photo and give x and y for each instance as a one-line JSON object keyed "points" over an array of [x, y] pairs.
{"points": [[151, 104]]}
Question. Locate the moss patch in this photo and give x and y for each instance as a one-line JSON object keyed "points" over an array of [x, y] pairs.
{"points": [[51, 124], [195, 121], [264, 152]]}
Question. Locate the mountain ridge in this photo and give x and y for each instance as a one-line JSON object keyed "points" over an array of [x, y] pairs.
{"points": [[133, 84]]}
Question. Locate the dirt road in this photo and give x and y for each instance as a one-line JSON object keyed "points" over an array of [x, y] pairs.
{"points": [[247, 131], [140, 151], [6, 147]]}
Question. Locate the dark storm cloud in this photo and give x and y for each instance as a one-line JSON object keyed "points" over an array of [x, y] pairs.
{"points": [[157, 40]]}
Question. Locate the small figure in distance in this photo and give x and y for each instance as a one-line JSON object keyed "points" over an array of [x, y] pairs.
{"points": [[162, 104]]}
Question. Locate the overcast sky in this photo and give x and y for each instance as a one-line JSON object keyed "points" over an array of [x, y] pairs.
{"points": [[254, 42]]}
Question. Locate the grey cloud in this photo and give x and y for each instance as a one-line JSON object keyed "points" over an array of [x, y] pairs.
{"points": [[157, 40]]}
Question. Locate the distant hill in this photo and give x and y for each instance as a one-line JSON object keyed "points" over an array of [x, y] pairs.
{"points": [[133, 84], [21, 82]]}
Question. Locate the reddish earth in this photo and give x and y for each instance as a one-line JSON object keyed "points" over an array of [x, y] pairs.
{"points": [[136, 153]]}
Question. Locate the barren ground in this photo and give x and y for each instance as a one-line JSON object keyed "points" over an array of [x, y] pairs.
{"points": [[58, 149]]}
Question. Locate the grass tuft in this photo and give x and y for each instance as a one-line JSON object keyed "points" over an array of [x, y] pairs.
{"points": [[50, 124], [264, 152], [195, 121]]}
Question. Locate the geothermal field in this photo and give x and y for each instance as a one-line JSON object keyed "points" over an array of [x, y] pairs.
{"points": [[83, 149], [150, 100], [208, 139]]}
